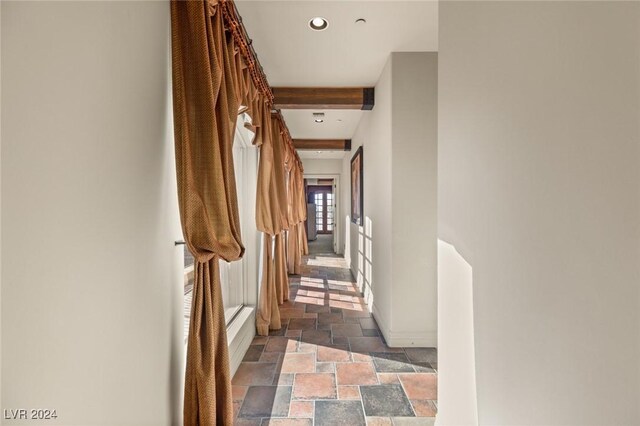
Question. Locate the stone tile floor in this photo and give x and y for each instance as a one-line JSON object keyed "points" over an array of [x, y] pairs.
{"points": [[329, 364]]}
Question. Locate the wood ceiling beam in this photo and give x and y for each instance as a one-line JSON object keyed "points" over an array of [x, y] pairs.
{"points": [[323, 97], [322, 144]]}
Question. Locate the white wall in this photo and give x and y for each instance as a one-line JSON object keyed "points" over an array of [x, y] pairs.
{"points": [[313, 166], [457, 395], [539, 192], [0, 209], [374, 134], [91, 279], [394, 254], [414, 198]]}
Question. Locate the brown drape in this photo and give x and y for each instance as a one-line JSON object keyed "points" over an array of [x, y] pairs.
{"points": [[297, 235], [272, 219], [280, 186], [294, 251], [268, 313], [212, 84], [279, 181], [304, 247], [208, 86], [281, 278], [265, 210]]}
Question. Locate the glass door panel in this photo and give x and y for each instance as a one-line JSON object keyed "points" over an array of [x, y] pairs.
{"points": [[324, 202]]}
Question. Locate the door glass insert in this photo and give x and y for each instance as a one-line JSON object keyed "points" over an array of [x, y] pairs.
{"points": [[324, 201]]}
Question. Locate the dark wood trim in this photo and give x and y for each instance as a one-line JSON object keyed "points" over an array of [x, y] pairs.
{"points": [[322, 144], [324, 97], [360, 220], [368, 98], [324, 190]]}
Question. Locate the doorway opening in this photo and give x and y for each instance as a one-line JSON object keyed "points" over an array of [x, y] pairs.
{"points": [[321, 215], [323, 200]]}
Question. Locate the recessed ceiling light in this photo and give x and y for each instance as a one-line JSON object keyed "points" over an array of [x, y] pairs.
{"points": [[361, 21], [339, 119], [319, 120], [319, 152], [318, 23]]}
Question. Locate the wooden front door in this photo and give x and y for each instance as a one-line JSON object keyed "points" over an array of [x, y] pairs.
{"points": [[323, 199]]}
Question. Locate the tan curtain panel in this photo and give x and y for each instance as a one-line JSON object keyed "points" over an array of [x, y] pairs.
{"points": [[209, 83], [297, 236], [279, 181], [280, 192], [281, 277], [268, 313], [294, 251], [272, 219], [212, 84], [266, 211]]}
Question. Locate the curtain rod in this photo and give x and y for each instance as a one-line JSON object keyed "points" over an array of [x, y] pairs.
{"points": [[239, 33], [278, 116]]}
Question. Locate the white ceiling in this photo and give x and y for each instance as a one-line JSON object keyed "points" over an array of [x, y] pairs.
{"points": [[302, 125], [345, 54], [322, 155]]}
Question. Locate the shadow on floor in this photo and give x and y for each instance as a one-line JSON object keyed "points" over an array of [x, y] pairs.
{"points": [[329, 364]]}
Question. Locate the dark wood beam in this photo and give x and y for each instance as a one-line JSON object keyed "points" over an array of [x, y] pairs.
{"points": [[323, 97], [322, 144]]}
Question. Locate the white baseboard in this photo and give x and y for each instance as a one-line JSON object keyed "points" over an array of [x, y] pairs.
{"points": [[404, 339], [408, 340], [381, 321]]}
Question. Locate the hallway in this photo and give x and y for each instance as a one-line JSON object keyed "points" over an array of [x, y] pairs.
{"points": [[329, 365], [323, 244]]}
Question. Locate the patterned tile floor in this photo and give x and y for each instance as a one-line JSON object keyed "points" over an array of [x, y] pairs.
{"points": [[329, 365]]}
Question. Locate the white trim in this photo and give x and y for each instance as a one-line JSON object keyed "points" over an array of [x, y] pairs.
{"points": [[380, 320], [245, 135], [405, 339], [408, 340], [251, 237], [188, 273], [240, 333], [242, 329]]}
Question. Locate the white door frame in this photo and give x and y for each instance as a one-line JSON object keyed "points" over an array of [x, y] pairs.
{"points": [[337, 226]]}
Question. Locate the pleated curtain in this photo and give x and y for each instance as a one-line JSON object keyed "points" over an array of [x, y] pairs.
{"points": [[211, 85], [272, 219], [297, 235]]}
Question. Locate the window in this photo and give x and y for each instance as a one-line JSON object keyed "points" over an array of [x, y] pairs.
{"points": [[233, 275], [232, 278]]}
